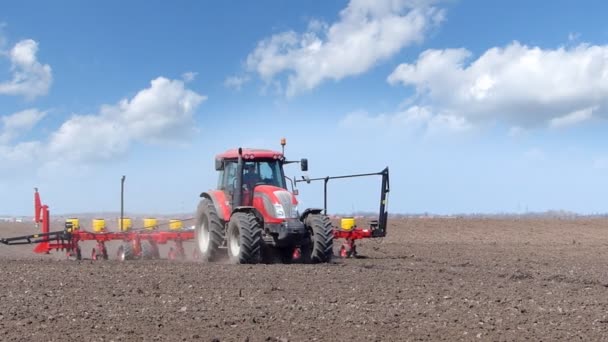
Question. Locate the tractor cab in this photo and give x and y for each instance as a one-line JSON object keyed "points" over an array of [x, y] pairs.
{"points": [[259, 168]]}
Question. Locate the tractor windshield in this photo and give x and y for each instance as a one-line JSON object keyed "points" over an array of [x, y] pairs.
{"points": [[267, 172]]}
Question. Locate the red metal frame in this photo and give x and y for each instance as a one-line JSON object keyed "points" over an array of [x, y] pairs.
{"points": [[349, 247], [70, 242], [42, 216], [250, 153]]}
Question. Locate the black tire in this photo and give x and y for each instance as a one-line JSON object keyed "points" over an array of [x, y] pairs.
{"points": [[321, 246], [244, 237], [209, 232], [149, 251], [104, 253], [126, 251]]}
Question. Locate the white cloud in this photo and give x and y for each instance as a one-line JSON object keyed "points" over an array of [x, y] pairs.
{"points": [[410, 121], [572, 118], [29, 77], [366, 33], [17, 123], [189, 76], [524, 86], [89, 138], [162, 113], [236, 82], [20, 154]]}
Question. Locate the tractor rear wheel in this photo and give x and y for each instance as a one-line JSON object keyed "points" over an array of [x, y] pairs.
{"points": [[209, 233], [244, 239], [320, 248]]}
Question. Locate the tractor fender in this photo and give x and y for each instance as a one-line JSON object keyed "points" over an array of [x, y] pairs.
{"points": [[219, 201], [309, 211], [249, 209]]}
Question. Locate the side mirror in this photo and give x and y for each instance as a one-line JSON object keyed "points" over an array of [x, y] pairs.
{"points": [[219, 165], [296, 192], [304, 164]]}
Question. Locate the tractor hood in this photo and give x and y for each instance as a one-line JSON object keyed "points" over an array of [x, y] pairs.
{"points": [[275, 203]]}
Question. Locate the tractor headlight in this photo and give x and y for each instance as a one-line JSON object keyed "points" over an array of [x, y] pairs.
{"points": [[294, 212], [279, 212]]}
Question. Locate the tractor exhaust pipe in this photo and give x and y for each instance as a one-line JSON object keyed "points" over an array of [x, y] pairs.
{"points": [[238, 192]]}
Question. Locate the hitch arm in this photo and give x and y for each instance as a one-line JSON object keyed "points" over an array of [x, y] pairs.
{"points": [[33, 238], [380, 230]]}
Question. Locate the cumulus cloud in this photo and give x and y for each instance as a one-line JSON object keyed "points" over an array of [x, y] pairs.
{"points": [[521, 85], [30, 78], [161, 113], [18, 123], [18, 155], [366, 33]]}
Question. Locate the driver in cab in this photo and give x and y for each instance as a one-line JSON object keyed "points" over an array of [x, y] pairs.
{"points": [[250, 177]]}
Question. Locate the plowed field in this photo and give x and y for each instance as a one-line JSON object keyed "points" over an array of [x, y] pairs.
{"points": [[430, 279]]}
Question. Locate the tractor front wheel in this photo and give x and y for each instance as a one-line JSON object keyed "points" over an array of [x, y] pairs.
{"points": [[320, 248], [244, 239]]}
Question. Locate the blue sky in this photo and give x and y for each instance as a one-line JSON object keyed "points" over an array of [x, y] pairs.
{"points": [[476, 106]]}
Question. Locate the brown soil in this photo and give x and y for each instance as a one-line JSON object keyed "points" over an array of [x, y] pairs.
{"points": [[430, 279]]}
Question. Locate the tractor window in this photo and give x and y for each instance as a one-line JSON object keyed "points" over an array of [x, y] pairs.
{"points": [[270, 172], [220, 181], [266, 172], [254, 172], [228, 175]]}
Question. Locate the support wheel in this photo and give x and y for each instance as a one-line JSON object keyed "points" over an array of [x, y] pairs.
{"points": [[244, 239], [171, 254], [104, 253], [209, 232], [125, 251], [320, 248], [149, 250]]}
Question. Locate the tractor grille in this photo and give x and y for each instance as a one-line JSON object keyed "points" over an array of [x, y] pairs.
{"points": [[286, 201], [267, 203]]}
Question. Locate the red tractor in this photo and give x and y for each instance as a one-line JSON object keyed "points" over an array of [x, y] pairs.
{"points": [[255, 218]]}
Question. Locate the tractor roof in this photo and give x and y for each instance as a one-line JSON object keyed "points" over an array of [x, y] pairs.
{"points": [[250, 153]]}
